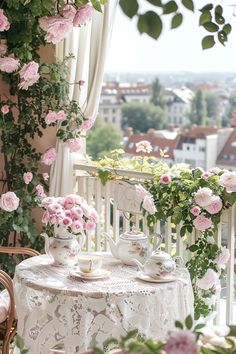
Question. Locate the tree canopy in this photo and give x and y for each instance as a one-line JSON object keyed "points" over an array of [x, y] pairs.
{"points": [[150, 20]]}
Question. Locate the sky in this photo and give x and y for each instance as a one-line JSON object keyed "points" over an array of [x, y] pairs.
{"points": [[176, 50]]}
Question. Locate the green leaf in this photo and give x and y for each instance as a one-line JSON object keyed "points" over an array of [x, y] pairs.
{"points": [[104, 176], [204, 18], [207, 7], [130, 8], [19, 342], [193, 248], [178, 324], [211, 27], [155, 2], [208, 42], [183, 231], [170, 7], [227, 28], [232, 332], [222, 37], [177, 20], [189, 322], [219, 19], [151, 24], [199, 326], [219, 10], [97, 5], [188, 4]]}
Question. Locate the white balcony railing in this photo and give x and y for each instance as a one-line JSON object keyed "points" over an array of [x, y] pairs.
{"points": [[119, 210]]}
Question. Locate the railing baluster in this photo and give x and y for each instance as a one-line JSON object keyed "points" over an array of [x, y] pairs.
{"points": [[145, 227], [168, 242], [98, 207], [89, 198], [230, 267], [218, 240], [126, 221], [179, 242], [107, 212], [116, 221]]}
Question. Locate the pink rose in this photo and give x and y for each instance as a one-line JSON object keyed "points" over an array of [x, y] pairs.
{"points": [[141, 191], [203, 196], [9, 64], [68, 11], [206, 175], [57, 28], [45, 176], [181, 342], [29, 75], [83, 15], [49, 156], [87, 124], [90, 226], [165, 178], [46, 201], [69, 202], [144, 146], [76, 227], [9, 201], [53, 219], [52, 117], [55, 208], [202, 223], [5, 109], [215, 170], [66, 221], [215, 205], [77, 211], [46, 217], [4, 23], [209, 279], [148, 205], [27, 176], [228, 181], [87, 210], [94, 216], [40, 191], [222, 258], [74, 145], [195, 210], [3, 49], [61, 115]]}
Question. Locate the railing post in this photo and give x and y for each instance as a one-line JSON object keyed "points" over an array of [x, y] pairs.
{"points": [[230, 266]]}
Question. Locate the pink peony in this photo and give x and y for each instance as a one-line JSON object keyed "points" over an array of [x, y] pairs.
{"points": [[148, 205], [45, 176], [76, 226], [55, 208], [215, 170], [165, 178], [47, 201], [141, 191], [87, 124], [222, 258], [69, 202], [68, 11], [203, 196], [27, 176], [77, 211], [215, 205], [9, 64], [29, 75], [209, 279], [90, 226], [195, 210], [66, 221], [3, 49], [52, 117], [4, 23], [202, 223], [206, 175], [144, 146], [9, 201], [94, 216], [74, 145], [5, 109], [46, 217], [49, 156], [228, 181], [61, 115], [57, 28], [40, 191], [181, 342], [83, 15]]}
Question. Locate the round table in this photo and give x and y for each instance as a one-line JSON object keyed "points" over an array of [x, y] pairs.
{"points": [[52, 307]]}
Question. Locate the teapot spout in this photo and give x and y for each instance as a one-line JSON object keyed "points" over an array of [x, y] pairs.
{"points": [[139, 264], [112, 244], [47, 243]]}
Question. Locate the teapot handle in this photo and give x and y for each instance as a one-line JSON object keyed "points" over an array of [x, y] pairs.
{"points": [[158, 238]]}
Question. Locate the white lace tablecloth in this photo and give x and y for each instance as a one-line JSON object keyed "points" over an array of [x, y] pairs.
{"points": [[53, 307]]}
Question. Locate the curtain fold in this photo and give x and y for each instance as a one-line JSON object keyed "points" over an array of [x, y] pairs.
{"points": [[89, 44]]}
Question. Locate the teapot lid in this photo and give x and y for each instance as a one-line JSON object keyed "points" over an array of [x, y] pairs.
{"points": [[133, 235], [160, 255]]}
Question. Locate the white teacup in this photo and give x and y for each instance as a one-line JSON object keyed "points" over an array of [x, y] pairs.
{"points": [[89, 263]]}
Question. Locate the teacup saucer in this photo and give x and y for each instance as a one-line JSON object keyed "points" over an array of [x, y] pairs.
{"points": [[97, 274], [145, 277]]}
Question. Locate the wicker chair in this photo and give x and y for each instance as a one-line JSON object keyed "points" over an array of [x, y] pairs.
{"points": [[8, 327]]}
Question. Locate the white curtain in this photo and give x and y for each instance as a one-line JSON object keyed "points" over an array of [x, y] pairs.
{"points": [[89, 44]]}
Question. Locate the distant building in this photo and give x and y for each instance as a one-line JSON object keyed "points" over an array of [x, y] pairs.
{"points": [[178, 105], [114, 94], [227, 157]]}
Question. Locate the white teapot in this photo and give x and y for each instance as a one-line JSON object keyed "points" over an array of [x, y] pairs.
{"points": [[159, 265], [132, 245]]}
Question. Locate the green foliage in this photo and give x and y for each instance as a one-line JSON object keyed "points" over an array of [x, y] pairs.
{"points": [[213, 106], [158, 98], [143, 116], [198, 113], [211, 18], [103, 138]]}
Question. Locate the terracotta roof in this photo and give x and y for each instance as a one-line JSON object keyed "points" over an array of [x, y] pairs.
{"points": [[228, 153], [158, 143]]}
